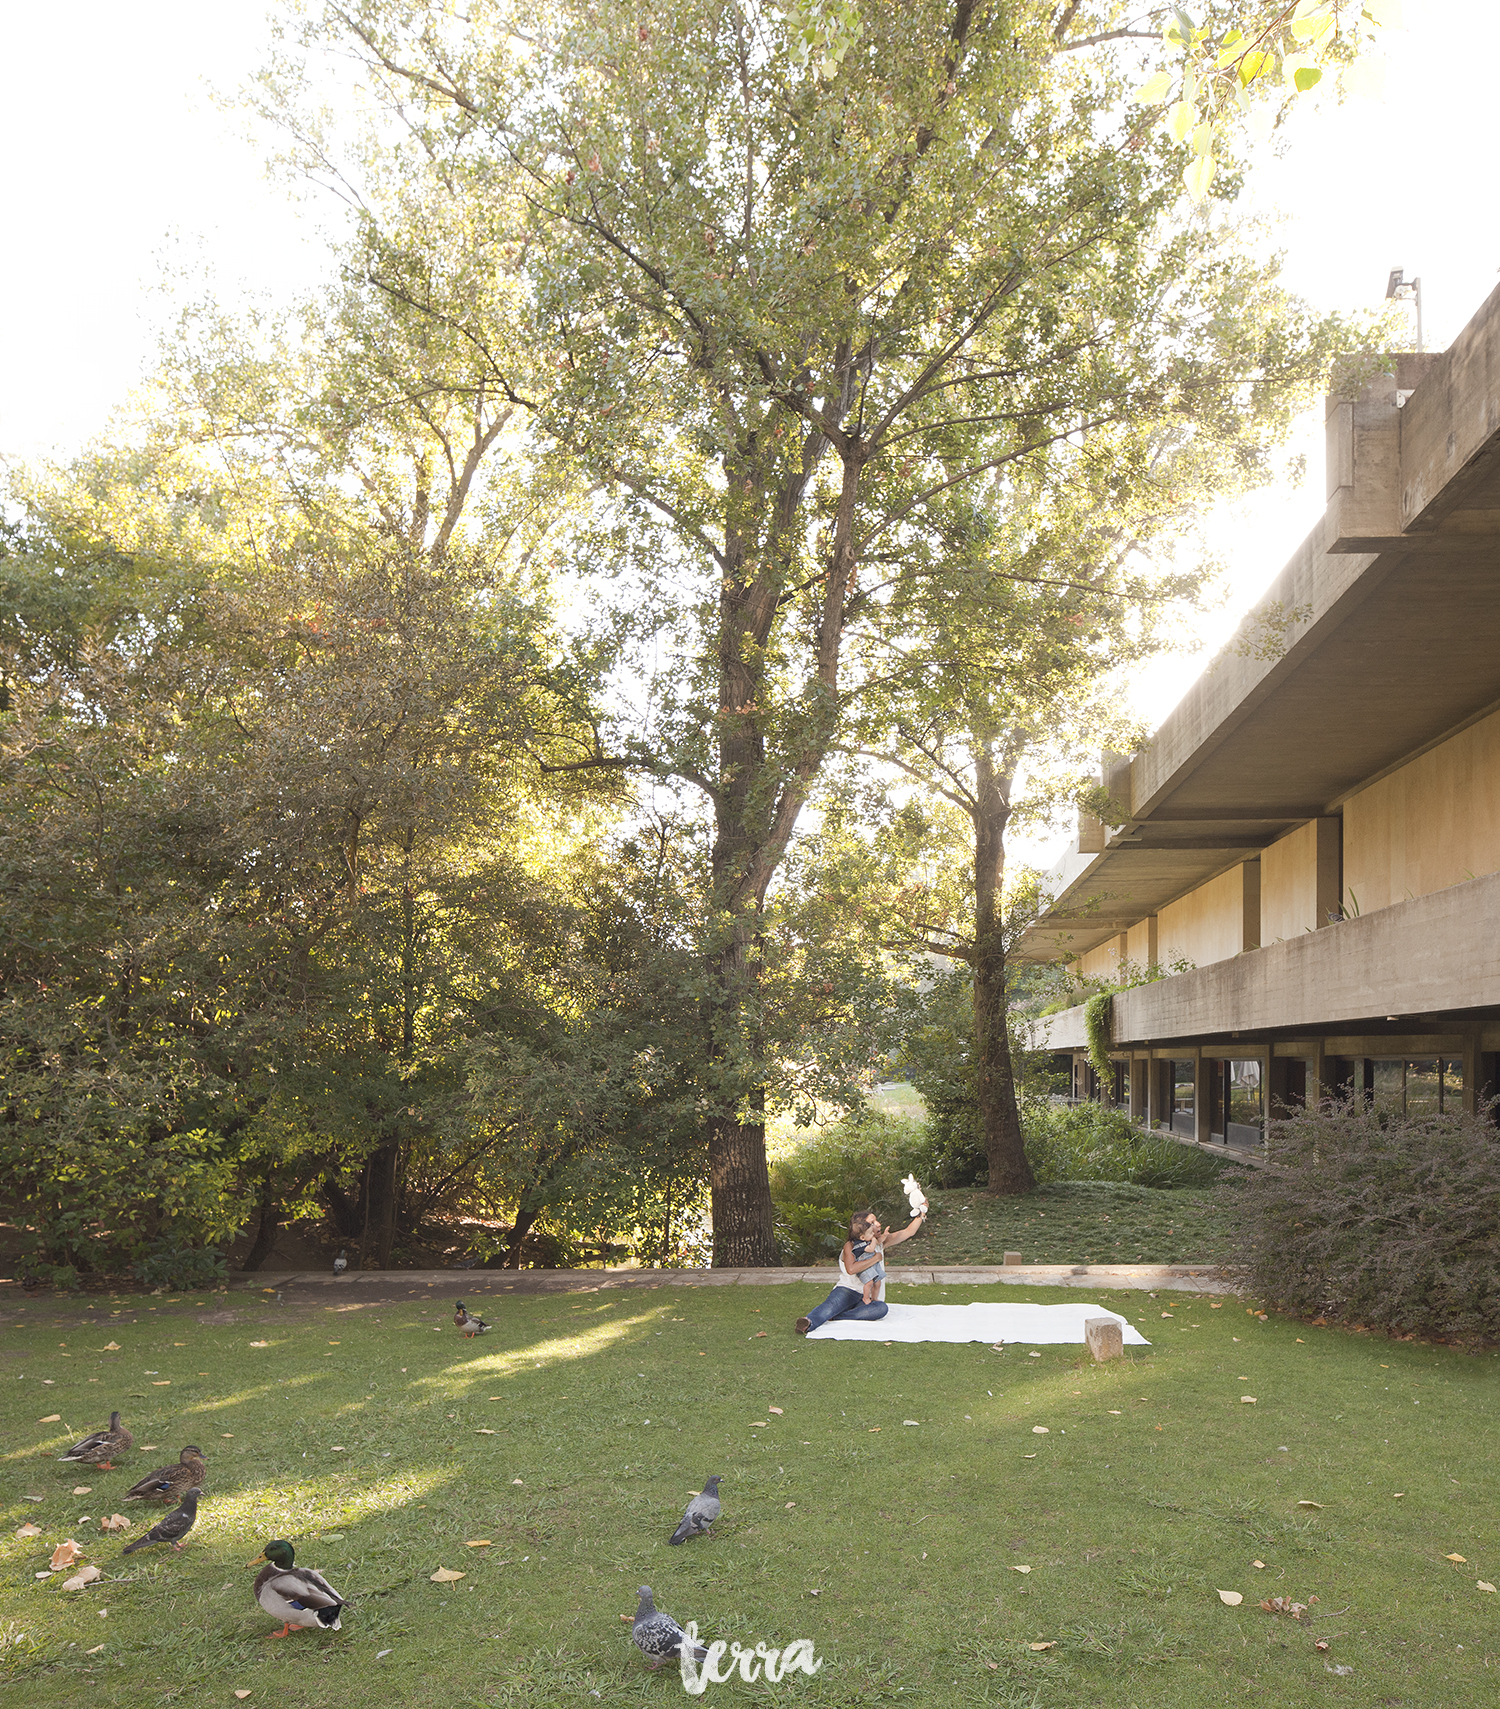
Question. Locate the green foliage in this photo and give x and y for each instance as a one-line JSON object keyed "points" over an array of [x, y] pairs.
{"points": [[854, 1164], [1088, 1142], [1096, 1019], [169, 1263], [1381, 1218]]}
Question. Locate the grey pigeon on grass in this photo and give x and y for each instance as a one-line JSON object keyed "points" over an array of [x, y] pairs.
{"points": [[174, 1527], [658, 1636], [702, 1510]]}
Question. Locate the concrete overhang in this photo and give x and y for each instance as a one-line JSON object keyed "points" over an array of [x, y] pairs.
{"points": [[1390, 615], [1424, 957]]}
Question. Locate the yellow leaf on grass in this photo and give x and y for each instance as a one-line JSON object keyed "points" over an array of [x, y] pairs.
{"points": [[260, 1343], [1231, 1598], [83, 1489], [242, 1694], [1247, 1400], [51, 1418], [1317, 1504], [110, 1347], [477, 1543], [1480, 1584], [445, 1575], [484, 1432], [775, 1411], [162, 1383], [1020, 1569], [95, 1651], [1459, 1558], [1051, 1644], [29, 1530], [1040, 1430], [759, 1423], [65, 1554], [115, 1522], [84, 1575]]}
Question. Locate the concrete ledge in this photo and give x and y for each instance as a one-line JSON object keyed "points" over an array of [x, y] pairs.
{"points": [[481, 1285]]}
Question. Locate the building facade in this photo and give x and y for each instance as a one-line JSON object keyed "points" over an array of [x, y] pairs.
{"points": [[1312, 837]]}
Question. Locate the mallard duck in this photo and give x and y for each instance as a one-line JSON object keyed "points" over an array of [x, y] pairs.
{"points": [[468, 1323], [100, 1448], [175, 1527], [167, 1483], [297, 1596]]}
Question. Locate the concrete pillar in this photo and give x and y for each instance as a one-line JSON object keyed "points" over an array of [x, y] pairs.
{"points": [[1472, 1059], [1201, 1130], [1330, 871], [1250, 923]]}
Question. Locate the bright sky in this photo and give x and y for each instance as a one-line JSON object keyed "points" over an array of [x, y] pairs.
{"points": [[121, 167]]}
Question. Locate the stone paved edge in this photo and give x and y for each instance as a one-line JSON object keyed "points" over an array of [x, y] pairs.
{"points": [[484, 1284]]}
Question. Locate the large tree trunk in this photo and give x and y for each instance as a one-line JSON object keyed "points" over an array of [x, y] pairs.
{"points": [[994, 1074], [270, 1227]]}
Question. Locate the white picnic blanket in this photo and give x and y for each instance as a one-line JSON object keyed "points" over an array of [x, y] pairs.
{"points": [[1037, 1325]]}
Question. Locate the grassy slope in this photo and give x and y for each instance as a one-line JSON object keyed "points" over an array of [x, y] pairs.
{"points": [[1075, 1222], [1154, 1487]]}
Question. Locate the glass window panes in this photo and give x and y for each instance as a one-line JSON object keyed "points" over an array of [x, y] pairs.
{"points": [[1424, 1086], [1387, 1080], [1453, 1083], [1245, 1093]]}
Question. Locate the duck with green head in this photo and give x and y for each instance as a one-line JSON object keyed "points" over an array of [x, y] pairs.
{"points": [[303, 1600]]}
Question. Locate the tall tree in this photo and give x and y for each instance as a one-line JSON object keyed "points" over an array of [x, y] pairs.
{"points": [[789, 279]]}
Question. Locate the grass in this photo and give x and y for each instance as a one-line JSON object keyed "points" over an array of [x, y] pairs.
{"points": [[1153, 1488], [1076, 1222]]}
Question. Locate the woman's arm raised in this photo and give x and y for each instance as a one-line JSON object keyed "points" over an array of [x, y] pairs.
{"points": [[896, 1236]]}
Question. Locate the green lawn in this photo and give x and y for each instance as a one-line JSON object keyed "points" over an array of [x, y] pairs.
{"points": [[1076, 1222], [894, 1548]]}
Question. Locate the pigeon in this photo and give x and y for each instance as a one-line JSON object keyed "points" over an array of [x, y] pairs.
{"points": [[174, 1527], [702, 1510], [168, 1482], [658, 1636], [471, 1326], [101, 1448], [340, 1264]]}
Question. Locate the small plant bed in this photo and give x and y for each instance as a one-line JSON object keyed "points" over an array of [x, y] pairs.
{"points": [[1076, 1222], [1040, 1530]]}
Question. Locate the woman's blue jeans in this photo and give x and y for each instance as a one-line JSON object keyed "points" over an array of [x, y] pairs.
{"points": [[846, 1302]]}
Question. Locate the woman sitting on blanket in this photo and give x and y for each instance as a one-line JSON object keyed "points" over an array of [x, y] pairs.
{"points": [[860, 1264]]}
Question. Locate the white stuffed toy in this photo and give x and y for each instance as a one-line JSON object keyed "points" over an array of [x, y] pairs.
{"points": [[914, 1192]]}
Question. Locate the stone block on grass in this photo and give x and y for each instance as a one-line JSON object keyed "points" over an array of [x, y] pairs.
{"points": [[1104, 1337], [1012, 1258]]}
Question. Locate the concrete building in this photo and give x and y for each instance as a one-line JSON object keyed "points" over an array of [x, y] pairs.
{"points": [[1317, 832]]}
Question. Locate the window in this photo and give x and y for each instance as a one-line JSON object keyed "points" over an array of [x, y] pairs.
{"points": [[1235, 1100], [1417, 1085], [1122, 1085], [1182, 1084]]}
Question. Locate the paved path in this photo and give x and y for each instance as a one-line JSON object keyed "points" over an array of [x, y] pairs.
{"points": [[486, 1284]]}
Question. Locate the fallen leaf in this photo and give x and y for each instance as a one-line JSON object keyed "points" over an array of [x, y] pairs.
{"points": [[775, 1411], [1317, 1504], [335, 1344], [875, 1429], [260, 1343], [84, 1575], [1396, 1495], [515, 1480], [65, 1554], [444, 1576], [1040, 1430], [162, 1383], [790, 1505], [29, 1530], [337, 1448], [1020, 1569], [95, 1651], [1028, 1456], [1321, 1644], [478, 1543], [244, 1694], [83, 1489], [1459, 1558], [482, 1432], [1259, 1565], [228, 1435], [1285, 1605], [1114, 1412], [911, 1421], [758, 1334], [1481, 1584], [760, 1423], [51, 1418], [1231, 1598], [1247, 1400], [43, 1574], [110, 1347], [629, 1617]]}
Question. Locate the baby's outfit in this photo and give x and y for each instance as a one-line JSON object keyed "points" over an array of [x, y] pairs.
{"points": [[876, 1272]]}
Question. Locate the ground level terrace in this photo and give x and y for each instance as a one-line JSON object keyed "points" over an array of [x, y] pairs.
{"points": [[1209, 1054]]}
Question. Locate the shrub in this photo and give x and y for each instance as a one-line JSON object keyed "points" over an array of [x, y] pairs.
{"points": [[169, 1263], [856, 1164], [1087, 1142], [1380, 1218]]}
